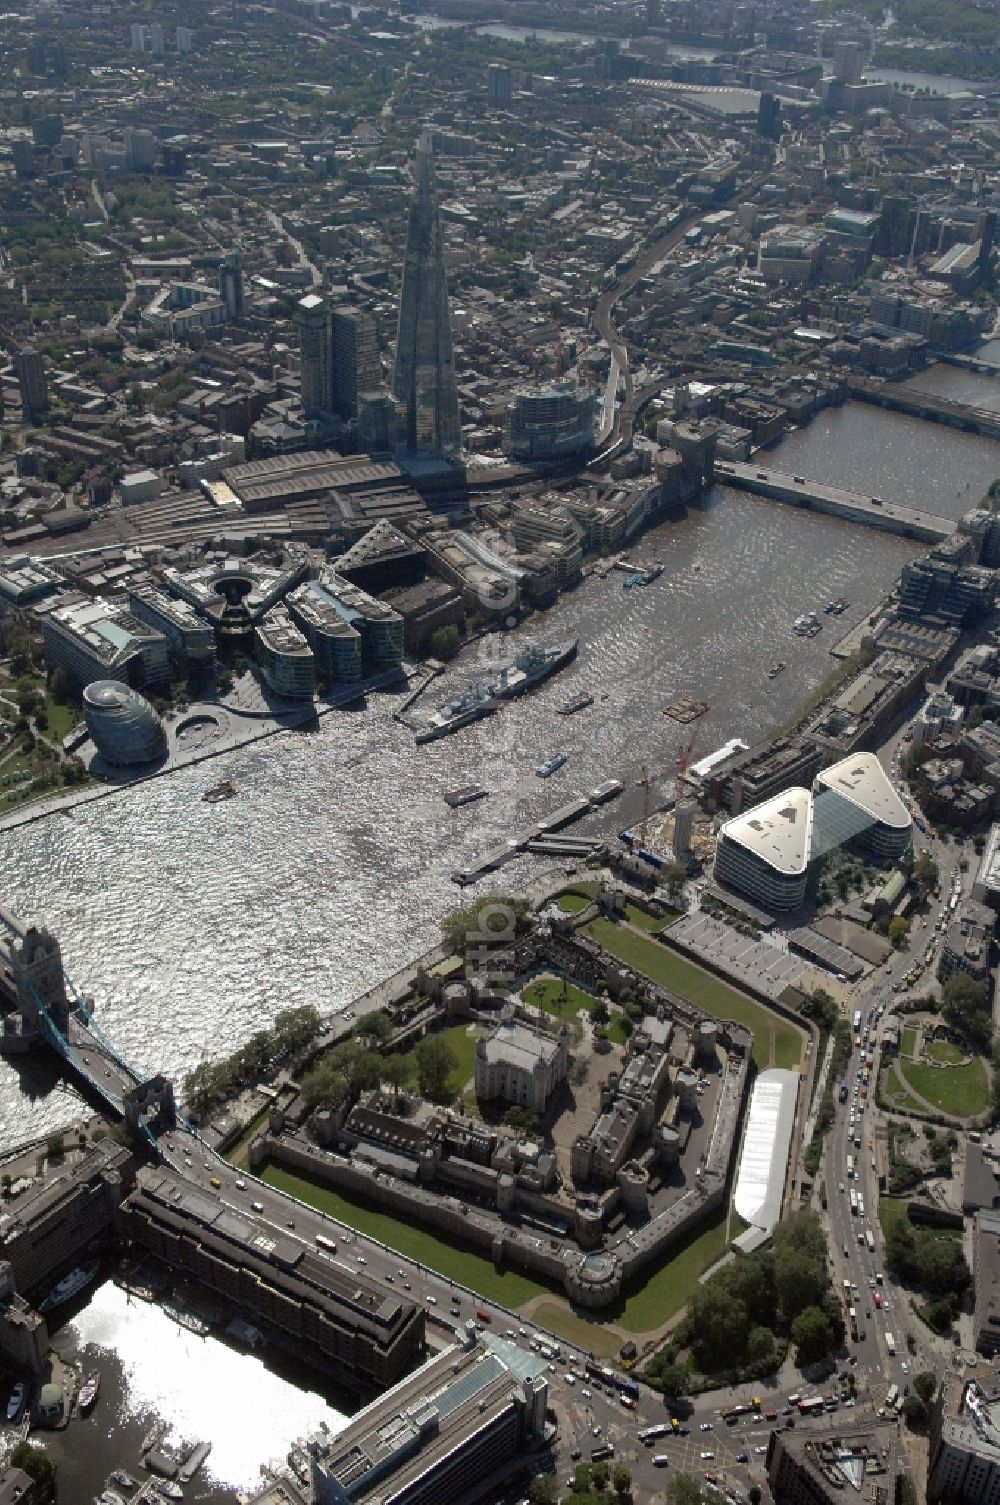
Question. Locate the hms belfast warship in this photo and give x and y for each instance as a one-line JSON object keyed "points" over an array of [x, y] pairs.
{"points": [[529, 669]]}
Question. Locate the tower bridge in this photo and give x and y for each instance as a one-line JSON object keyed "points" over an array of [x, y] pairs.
{"points": [[42, 1006]]}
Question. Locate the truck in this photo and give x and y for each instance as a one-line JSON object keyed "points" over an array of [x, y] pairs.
{"points": [[893, 1395], [870, 1241], [844, 1091], [890, 1343]]}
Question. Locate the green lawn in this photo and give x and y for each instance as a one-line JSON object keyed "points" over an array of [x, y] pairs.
{"points": [[588, 1332], [703, 990], [464, 1046], [650, 1301], [657, 1296], [958, 1090], [643, 920], [787, 1049], [891, 1210], [546, 993], [441, 1254], [944, 1052], [62, 718], [896, 1095], [572, 903], [909, 1042]]}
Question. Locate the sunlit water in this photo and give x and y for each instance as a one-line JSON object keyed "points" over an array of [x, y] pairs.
{"points": [[150, 1367], [193, 924]]}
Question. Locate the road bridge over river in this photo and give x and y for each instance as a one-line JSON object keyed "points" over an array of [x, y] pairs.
{"points": [[927, 405], [815, 496]]}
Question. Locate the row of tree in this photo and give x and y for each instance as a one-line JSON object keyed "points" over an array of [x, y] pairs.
{"points": [[213, 1081], [740, 1319], [350, 1068]]}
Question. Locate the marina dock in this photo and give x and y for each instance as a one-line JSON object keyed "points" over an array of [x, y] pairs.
{"points": [[541, 837]]}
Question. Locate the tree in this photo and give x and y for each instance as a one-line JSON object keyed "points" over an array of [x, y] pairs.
{"points": [[915, 1411], [375, 1028], [800, 1281], [718, 1321], [898, 930], [673, 1379], [754, 1494], [398, 1072], [55, 1147], [542, 1490], [493, 921], [444, 640], [295, 1028], [524, 1119], [599, 1013], [684, 1490], [621, 1480], [925, 1384], [925, 870], [35, 1462], [965, 1005], [811, 1336], [760, 1348], [435, 1063], [325, 1087]]}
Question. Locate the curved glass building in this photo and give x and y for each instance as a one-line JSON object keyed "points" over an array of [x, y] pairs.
{"points": [[123, 725]]}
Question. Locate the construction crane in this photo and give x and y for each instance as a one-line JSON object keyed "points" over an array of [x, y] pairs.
{"points": [[647, 783], [683, 764]]}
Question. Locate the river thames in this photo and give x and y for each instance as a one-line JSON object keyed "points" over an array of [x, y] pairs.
{"points": [[192, 924]]}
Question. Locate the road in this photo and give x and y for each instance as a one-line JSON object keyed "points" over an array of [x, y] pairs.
{"points": [[297, 247], [592, 1413], [634, 398], [857, 1129]]}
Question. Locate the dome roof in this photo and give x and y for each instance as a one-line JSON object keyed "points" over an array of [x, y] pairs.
{"points": [[123, 725], [110, 693]]}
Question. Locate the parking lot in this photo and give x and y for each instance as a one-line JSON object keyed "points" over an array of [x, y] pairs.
{"points": [[764, 964]]}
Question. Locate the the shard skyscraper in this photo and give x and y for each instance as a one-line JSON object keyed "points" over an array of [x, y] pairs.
{"points": [[424, 378]]}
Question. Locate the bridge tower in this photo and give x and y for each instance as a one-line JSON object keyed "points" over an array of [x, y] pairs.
{"points": [[150, 1106], [36, 965]]}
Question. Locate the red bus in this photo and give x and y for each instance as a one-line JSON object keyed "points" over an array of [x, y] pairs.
{"points": [[484, 1316]]}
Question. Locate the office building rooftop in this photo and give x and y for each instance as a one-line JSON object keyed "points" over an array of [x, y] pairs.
{"points": [[398, 1447], [779, 831], [863, 781]]}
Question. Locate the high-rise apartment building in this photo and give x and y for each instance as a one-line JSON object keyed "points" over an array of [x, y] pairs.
{"points": [[231, 284], [500, 81], [31, 381], [356, 365], [315, 355], [23, 155], [848, 62], [424, 378], [185, 37], [138, 35], [139, 150], [156, 39]]}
